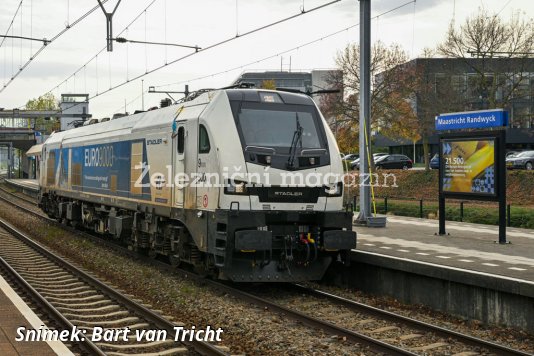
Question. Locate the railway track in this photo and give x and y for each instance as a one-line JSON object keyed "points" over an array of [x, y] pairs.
{"points": [[398, 330], [21, 196], [381, 331], [74, 298]]}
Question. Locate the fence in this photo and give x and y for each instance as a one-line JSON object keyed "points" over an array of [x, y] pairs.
{"points": [[457, 210]]}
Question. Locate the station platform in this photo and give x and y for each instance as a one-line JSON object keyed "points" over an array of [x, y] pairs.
{"points": [[470, 247], [29, 184], [14, 313], [29, 187]]}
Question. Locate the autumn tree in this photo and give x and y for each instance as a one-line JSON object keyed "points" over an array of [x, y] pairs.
{"points": [[391, 80], [45, 102], [268, 84]]}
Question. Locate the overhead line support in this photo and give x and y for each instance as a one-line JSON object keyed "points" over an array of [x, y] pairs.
{"points": [[109, 24]]}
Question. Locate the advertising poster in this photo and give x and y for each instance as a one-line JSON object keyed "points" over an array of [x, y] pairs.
{"points": [[469, 166]]}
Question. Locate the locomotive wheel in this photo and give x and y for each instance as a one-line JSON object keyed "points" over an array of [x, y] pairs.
{"points": [[152, 254], [174, 260], [201, 270]]}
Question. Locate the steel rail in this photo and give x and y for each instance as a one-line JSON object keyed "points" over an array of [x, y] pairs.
{"points": [[28, 200], [202, 347], [374, 344], [310, 321], [420, 325], [86, 343]]}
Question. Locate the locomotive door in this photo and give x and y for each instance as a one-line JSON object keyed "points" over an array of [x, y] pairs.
{"points": [[179, 166]]}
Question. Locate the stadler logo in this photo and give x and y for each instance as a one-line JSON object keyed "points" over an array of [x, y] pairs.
{"points": [[157, 141], [99, 156], [290, 194]]}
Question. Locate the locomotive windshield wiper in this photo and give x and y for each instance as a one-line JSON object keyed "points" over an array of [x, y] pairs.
{"points": [[297, 138]]}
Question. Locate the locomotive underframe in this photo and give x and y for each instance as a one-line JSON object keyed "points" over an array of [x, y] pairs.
{"points": [[251, 246]]}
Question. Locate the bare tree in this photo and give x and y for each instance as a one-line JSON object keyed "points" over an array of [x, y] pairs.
{"points": [[479, 42]]}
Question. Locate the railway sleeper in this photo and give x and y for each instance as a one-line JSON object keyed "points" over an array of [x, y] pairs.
{"points": [[108, 308], [114, 314]]}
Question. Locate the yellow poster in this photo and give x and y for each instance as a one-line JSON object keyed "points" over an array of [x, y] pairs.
{"points": [[469, 166]]}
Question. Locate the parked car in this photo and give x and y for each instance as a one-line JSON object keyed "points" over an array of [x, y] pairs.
{"points": [[376, 155], [511, 154], [351, 157], [376, 158], [356, 163], [434, 162], [522, 160], [393, 162]]}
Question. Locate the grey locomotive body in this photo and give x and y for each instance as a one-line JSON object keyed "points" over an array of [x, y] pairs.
{"points": [[244, 184]]}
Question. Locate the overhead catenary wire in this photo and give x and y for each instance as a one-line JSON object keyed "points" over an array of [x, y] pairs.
{"points": [[20, 56], [214, 45], [31, 24], [217, 44], [125, 40], [146, 53], [504, 7], [32, 56], [11, 23], [165, 26], [125, 30], [285, 51], [44, 40], [278, 53]]}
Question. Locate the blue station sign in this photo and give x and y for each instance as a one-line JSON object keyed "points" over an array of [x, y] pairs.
{"points": [[472, 120]]}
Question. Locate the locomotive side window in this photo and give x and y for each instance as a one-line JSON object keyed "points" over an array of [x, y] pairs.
{"points": [[203, 140], [181, 140]]}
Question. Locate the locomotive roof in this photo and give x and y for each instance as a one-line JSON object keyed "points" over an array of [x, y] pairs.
{"points": [[163, 117], [254, 95]]}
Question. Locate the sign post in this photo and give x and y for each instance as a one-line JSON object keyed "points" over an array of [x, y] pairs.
{"points": [[472, 163]]}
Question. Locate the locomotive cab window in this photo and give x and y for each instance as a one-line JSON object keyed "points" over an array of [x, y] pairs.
{"points": [[203, 140], [181, 140]]}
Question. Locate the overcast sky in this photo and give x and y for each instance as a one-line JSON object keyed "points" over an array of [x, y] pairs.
{"points": [[202, 23]]}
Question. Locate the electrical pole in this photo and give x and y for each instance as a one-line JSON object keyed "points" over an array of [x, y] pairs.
{"points": [[365, 110]]}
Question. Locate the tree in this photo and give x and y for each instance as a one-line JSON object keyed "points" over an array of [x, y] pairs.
{"points": [[45, 102], [268, 84], [391, 82], [484, 37]]}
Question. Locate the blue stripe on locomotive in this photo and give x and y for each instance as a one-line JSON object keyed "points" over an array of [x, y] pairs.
{"points": [[98, 164]]}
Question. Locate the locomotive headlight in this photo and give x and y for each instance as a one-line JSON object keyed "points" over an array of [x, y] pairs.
{"points": [[235, 187], [334, 190]]}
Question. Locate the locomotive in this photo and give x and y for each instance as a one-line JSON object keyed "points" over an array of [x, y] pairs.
{"points": [[242, 184]]}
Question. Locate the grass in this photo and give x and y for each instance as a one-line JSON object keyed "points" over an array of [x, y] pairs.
{"points": [[521, 217], [419, 184]]}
